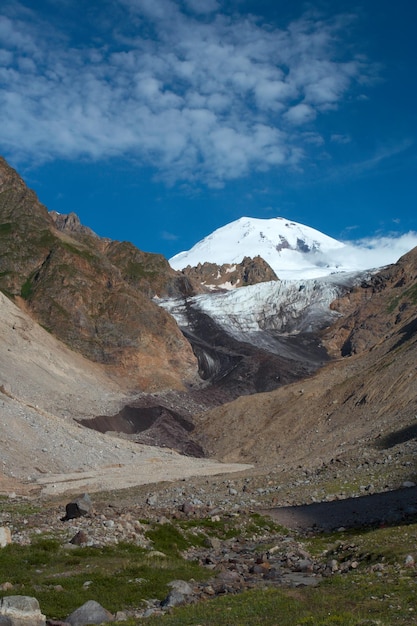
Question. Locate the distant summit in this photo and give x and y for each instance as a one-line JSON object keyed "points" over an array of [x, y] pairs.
{"points": [[291, 249]]}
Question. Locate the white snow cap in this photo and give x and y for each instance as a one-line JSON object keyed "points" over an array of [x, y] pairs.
{"points": [[294, 251]]}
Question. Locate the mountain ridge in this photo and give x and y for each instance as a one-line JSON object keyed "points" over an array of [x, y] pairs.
{"points": [[93, 294]]}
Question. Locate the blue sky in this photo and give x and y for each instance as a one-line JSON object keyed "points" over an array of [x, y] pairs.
{"points": [[158, 121]]}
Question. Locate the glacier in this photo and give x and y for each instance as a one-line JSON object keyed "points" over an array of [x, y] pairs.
{"points": [[283, 307]]}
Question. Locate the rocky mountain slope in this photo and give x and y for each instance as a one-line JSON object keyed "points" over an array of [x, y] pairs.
{"points": [[91, 293], [214, 277], [45, 389], [365, 399]]}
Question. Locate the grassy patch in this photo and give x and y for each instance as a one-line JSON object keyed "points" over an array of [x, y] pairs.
{"points": [[82, 252], [353, 599], [26, 289], [6, 228], [327, 606], [381, 590], [409, 294], [116, 576], [364, 596]]}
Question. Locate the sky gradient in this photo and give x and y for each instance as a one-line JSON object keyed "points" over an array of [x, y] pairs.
{"points": [[158, 121]]}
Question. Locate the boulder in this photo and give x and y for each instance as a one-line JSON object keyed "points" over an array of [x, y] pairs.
{"points": [[182, 587], [5, 536], [174, 598], [78, 507], [80, 539], [21, 611], [89, 613]]}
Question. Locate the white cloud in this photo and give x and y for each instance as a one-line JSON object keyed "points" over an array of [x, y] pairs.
{"points": [[300, 114], [376, 252], [197, 94]]}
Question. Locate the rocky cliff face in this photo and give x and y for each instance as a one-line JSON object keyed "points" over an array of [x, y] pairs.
{"points": [[213, 277], [91, 293], [380, 307]]}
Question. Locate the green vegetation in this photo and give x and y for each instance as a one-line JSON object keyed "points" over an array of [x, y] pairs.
{"points": [[45, 240], [27, 289], [116, 576], [82, 252], [138, 271], [6, 228], [379, 590], [409, 294], [349, 600], [370, 595]]}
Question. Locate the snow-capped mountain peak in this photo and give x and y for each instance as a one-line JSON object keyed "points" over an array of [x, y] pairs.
{"points": [[291, 249]]}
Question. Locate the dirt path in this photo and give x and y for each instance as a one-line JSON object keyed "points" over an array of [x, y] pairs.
{"points": [[153, 469]]}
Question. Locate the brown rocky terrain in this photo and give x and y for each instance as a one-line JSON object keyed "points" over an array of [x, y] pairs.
{"points": [[45, 387], [213, 277], [91, 293]]}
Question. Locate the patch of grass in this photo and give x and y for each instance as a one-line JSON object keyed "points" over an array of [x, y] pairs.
{"points": [[122, 576], [6, 228], [196, 531], [17, 509], [228, 527], [272, 607], [409, 294], [83, 252], [362, 596], [26, 289], [116, 576], [168, 539], [349, 600]]}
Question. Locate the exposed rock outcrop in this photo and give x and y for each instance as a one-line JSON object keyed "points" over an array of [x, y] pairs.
{"points": [[383, 305], [91, 293], [213, 277]]}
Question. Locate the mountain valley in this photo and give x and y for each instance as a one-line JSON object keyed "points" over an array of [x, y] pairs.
{"points": [[134, 355], [235, 431]]}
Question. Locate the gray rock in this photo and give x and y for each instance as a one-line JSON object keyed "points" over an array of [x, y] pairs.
{"points": [[187, 508], [174, 598], [89, 613], [214, 543], [182, 586], [78, 507], [21, 611]]}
